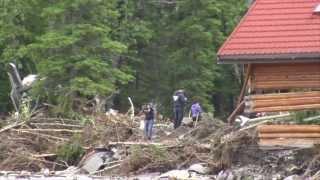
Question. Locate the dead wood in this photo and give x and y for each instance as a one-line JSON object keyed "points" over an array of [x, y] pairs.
{"points": [[136, 143], [52, 130], [45, 136], [240, 108], [16, 124], [43, 155], [311, 165], [245, 84], [107, 168], [57, 124]]}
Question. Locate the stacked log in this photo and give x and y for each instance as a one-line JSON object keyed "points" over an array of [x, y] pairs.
{"points": [[282, 102], [289, 135]]}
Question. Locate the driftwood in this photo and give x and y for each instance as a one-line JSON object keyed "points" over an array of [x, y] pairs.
{"points": [[45, 161], [237, 111], [131, 109], [46, 119], [266, 119], [57, 124], [53, 130], [45, 136], [187, 133], [14, 125], [107, 168], [280, 116], [136, 143], [311, 118], [43, 155]]}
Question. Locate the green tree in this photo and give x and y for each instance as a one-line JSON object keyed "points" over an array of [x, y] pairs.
{"points": [[144, 49], [182, 52], [19, 24]]}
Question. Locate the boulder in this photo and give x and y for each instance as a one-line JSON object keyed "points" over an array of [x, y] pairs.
{"points": [[200, 168]]}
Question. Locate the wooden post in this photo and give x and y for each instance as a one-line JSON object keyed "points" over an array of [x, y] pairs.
{"points": [[245, 84]]}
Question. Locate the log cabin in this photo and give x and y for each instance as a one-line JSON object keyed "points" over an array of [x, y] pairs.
{"points": [[278, 44]]}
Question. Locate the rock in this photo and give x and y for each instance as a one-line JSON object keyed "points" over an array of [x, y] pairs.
{"points": [[225, 175], [71, 170], [179, 174], [182, 174], [25, 174], [95, 159], [293, 177], [200, 168], [45, 171], [277, 177]]}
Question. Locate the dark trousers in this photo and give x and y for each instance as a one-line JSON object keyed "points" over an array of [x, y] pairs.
{"points": [[178, 116]]}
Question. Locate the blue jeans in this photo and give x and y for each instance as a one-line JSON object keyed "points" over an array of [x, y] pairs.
{"points": [[148, 124]]}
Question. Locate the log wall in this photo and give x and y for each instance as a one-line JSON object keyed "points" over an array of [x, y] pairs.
{"points": [[289, 135], [282, 102], [285, 76]]}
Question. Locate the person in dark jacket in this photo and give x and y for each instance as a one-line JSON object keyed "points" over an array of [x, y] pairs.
{"points": [[179, 101], [148, 121]]}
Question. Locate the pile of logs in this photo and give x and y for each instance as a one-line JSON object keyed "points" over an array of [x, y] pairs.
{"points": [[282, 102], [289, 135], [32, 144]]}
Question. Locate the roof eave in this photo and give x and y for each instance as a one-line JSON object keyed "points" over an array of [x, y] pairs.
{"points": [[269, 58]]}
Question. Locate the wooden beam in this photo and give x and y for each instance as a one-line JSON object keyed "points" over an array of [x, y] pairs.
{"points": [[283, 95], [286, 108], [245, 84], [289, 135], [286, 85], [290, 142], [285, 102], [289, 129], [237, 111]]}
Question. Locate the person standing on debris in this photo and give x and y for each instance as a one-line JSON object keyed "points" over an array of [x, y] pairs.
{"points": [[196, 111], [148, 121], [179, 101]]}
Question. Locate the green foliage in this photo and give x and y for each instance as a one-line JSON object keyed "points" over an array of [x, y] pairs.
{"points": [[25, 109], [145, 49], [300, 116], [70, 152], [140, 156], [182, 53], [4, 90]]}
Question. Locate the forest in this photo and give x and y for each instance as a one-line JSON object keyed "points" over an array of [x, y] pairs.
{"points": [[115, 79], [114, 49]]}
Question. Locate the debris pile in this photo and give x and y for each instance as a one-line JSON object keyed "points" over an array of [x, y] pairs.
{"points": [[113, 144], [29, 145], [56, 143]]}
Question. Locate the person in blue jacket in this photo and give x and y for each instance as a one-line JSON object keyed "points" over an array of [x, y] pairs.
{"points": [[179, 101]]}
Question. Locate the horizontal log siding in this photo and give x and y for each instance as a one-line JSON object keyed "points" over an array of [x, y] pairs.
{"points": [[285, 76]]}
